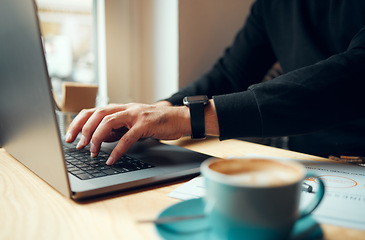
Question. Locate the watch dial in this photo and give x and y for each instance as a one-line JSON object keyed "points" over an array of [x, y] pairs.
{"points": [[197, 98]]}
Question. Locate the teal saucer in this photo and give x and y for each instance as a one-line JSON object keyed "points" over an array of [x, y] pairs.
{"points": [[198, 229]]}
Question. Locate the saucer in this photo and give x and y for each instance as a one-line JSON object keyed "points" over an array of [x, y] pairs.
{"points": [[197, 229]]}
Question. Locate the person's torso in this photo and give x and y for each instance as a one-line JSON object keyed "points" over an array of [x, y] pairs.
{"points": [[303, 32]]}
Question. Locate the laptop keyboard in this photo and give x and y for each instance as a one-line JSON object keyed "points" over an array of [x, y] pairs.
{"points": [[82, 165]]}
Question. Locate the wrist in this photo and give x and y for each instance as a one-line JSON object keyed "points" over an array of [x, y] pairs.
{"points": [[183, 120], [211, 119], [203, 117], [197, 105]]}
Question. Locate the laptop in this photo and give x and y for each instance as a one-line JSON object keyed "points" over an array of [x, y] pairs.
{"points": [[29, 129]]}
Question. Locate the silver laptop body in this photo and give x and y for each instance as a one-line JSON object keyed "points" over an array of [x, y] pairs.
{"points": [[28, 123]]}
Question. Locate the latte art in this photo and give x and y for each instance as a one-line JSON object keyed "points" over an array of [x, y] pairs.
{"points": [[258, 172]]}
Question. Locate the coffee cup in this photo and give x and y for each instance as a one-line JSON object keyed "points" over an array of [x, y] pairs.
{"points": [[255, 198]]}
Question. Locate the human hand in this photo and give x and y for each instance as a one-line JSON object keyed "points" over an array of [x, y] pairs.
{"points": [[127, 123]]}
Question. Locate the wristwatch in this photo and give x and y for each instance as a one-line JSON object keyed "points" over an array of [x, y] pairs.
{"points": [[196, 106]]}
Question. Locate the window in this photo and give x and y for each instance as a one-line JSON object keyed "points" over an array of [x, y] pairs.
{"points": [[67, 30]]}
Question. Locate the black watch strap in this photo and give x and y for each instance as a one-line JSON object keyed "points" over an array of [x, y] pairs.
{"points": [[197, 120]]}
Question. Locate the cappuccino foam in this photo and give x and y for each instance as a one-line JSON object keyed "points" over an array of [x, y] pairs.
{"points": [[258, 172]]}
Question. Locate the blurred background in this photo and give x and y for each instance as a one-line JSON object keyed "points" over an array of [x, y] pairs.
{"points": [[68, 33]]}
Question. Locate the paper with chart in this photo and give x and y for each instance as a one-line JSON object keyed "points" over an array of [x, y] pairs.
{"points": [[344, 199]]}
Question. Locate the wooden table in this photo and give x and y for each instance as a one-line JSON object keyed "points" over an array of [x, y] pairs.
{"points": [[31, 209]]}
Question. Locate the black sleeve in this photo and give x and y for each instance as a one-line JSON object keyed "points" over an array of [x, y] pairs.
{"points": [[318, 96], [244, 63]]}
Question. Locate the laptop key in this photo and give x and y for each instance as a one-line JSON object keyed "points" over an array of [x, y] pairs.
{"points": [[77, 172], [124, 165], [92, 171], [87, 168], [99, 174], [84, 176], [102, 168], [110, 171]]}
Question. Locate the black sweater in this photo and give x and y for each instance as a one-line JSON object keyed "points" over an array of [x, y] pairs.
{"points": [[319, 102]]}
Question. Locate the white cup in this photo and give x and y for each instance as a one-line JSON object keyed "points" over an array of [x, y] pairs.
{"points": [[255, 198]]}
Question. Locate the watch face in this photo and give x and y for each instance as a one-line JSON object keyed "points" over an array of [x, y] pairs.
{"points": [[201, 98]]}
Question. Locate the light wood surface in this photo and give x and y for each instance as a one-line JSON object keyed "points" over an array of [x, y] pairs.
{"points": [[31, 209]]}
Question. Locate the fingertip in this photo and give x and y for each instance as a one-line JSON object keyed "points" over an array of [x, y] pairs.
{"points": [[68, 137], [110, 161], [93, 150], [82, 143]]}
